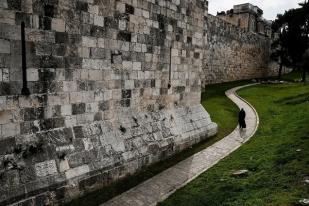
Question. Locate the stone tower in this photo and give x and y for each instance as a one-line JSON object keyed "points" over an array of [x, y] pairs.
{"points": [[249, 17]]}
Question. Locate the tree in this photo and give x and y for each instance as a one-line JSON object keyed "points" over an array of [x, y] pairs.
{"points": [[305, 64], [293, 38], [305, 31], [279, 51]]}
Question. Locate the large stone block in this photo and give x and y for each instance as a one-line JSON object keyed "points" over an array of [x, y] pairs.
{"points": [[58, 25], [46, 168], [7, 17], [98, 20], [76, 172], [5, 46]]}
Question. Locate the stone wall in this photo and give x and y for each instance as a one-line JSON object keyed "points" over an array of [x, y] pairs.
{"points": [[104, 101], [232, 53], [273, 69]]}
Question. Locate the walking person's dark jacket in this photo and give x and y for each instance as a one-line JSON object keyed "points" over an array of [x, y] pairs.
{"points": [[241, 118]]}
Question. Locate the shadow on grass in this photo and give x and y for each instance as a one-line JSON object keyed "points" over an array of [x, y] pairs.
{"points": [[293, 100]]}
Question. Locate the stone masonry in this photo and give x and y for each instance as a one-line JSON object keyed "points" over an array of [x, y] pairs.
{"points": [[232, 53], [115, 86], [249, 17]]}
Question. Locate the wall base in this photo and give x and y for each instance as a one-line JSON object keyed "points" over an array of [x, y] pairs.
{"points": [[93, 156]]}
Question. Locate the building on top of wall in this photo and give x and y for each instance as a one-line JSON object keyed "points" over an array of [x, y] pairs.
{"points": [[249, 17]]}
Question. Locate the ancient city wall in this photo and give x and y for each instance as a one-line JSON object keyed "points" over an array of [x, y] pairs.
{"points": [[231, 53], [104, 99]]}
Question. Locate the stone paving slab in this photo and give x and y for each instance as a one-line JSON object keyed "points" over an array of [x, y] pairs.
{"points": [[161, 186]]}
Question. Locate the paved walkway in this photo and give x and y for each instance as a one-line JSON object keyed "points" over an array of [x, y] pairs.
{"points": [[164, 184]]}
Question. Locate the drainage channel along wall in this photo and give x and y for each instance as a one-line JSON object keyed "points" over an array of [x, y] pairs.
{"points": [[114, 85]]}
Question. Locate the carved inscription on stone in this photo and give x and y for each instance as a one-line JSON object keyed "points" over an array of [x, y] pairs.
{"points": [[43, 169]]}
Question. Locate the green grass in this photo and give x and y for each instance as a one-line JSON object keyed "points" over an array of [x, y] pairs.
{"points": [[277, 157], [294, 76], [222, 111]]}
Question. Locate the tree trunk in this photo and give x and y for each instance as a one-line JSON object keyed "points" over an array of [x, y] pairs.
{"points": [[280, 71], [304, 74]]}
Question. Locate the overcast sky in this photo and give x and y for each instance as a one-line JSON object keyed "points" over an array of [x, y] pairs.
{"points": [[270, 7]]}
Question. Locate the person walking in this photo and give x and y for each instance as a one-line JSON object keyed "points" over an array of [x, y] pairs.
{"points": [[241, 119]]}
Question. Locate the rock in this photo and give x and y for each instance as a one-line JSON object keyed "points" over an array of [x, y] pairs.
{"points": [[306, 181], [20, 165], [298, 150], [304, 202], [9, 161], [240, 173]]}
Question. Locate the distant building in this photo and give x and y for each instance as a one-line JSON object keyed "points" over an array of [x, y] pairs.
{"points": [[249, 17]]}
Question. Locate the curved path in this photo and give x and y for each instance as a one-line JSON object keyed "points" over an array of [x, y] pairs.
{"points": [[161, 186]]}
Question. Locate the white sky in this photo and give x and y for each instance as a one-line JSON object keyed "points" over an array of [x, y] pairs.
{"points": [[270, 7]]}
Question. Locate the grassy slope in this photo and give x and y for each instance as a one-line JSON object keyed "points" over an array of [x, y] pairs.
{"points": [[294, 76], [222, 111], [277, 169]]}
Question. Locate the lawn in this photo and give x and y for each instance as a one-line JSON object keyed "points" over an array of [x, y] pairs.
{"points": [[277, 157], [222, 111], [294, 76]]}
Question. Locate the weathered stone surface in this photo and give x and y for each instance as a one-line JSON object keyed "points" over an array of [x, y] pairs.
{"points": [[77, 171], [232, 53], [5, 47], [162, 185], [6, 145], [107, 94], [46, 168]]}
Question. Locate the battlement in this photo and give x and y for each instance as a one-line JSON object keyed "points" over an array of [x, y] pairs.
{"points": [[247, 8], [249, 17]]}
